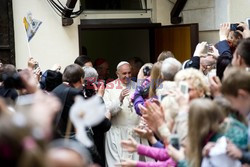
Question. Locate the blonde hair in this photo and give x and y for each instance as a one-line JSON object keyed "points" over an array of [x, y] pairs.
{"points": [[155, 77], [164, 55], [170, 108], [203, 121], [196, 78]]}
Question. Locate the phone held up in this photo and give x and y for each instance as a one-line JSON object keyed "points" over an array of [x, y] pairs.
{"points": [[248, 22], [208, 48], [234, 27], [174, 141], [183, 86]]}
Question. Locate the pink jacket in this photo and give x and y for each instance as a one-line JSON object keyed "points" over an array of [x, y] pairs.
{"points": [[156, 153]]}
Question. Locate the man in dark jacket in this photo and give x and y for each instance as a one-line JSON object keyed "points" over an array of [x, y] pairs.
{"points": [[71, 87], [90, 78], [66, 92]]}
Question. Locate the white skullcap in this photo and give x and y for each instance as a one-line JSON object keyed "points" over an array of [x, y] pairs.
{"points": [[121, 64]]}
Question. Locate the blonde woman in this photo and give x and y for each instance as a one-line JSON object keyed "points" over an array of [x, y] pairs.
{"points": [[197, 88], [206, 124], [156, 79], [197, 85]]}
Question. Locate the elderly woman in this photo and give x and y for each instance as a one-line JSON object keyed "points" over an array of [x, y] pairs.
{"points": [[196, 81], [197, 88]]}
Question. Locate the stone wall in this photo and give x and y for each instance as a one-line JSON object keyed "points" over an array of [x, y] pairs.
{"points": [[208, 13]]}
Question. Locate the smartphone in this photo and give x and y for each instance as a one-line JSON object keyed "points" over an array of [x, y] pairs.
{"points": [[248, 22], [209, 48], [234, 27], [174, 141], [36, 66], [183, 86]]}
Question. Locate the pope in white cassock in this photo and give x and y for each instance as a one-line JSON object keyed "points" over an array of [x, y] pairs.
{"points": [[124, 118]]}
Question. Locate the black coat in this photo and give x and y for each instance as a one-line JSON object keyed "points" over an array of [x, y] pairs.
{"points": [[67, 94]]}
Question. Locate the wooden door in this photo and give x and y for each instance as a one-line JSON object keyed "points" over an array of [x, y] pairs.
{"points": [[7, 48], [181, 40]]}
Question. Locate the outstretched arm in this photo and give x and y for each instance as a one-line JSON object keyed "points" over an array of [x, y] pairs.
{"points": [[168, 163], [155, 153]]}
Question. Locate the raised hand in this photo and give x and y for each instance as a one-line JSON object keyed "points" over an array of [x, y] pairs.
{"points": [[56, 67], [224, 31], [206, 149], [99, 90], [144, 133], [153, 112], [37, 73], [129, 145], [31, 63], [214, 52], [246, 31], [233, 151], [124, 93], [147, 134], [215, 86], [200, 49]]}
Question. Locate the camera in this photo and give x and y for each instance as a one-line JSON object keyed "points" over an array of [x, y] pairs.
{"points": [[146, 71], [143, 90], [234, 27], [89, 90]]}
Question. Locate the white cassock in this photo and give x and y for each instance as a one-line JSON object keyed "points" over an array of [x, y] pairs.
{"points": [[124, 119]]}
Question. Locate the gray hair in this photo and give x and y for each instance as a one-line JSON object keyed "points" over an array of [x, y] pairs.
{"points": [[169, 68], [89, 72]]}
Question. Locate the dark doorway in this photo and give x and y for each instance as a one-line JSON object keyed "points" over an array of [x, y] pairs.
{"points": [[117, 42], [7, 47]]}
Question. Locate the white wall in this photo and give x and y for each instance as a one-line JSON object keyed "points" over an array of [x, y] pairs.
{"points": [[52, 43], [211, 37], [161, 11], [239, 10], [208, 13], [200, 11]]}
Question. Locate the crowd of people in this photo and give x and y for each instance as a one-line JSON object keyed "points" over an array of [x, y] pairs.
{"points": [[164, 114]]}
